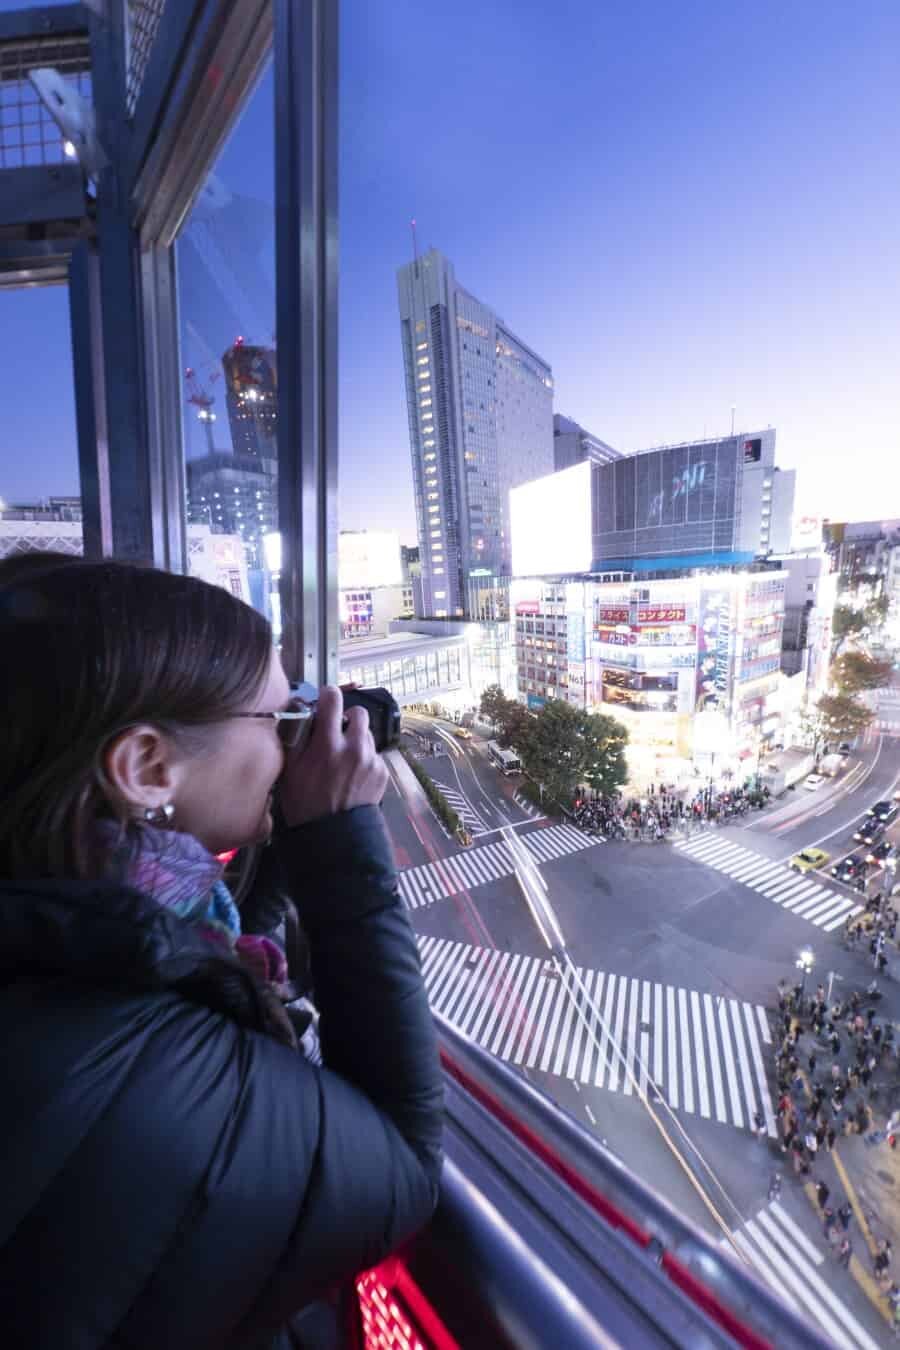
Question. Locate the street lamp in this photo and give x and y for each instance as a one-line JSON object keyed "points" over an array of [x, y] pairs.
{"points": [[804, 963]]}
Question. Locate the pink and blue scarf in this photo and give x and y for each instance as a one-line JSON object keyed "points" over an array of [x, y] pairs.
{"points": [[177, 872]]}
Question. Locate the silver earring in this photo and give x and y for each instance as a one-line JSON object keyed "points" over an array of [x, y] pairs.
{"points": [[159, 815]]}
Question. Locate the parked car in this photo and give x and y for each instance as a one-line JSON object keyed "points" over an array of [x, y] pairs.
{"points": [[814, 780], [884, 811], [869, 831], [809, 860], [850, 869]]}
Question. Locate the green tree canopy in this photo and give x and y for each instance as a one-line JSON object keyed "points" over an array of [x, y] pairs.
{"points": [[493, 704], [512, 720], [565, 746], [843, 716], [846, 621], [855, 671], [876, 611]]}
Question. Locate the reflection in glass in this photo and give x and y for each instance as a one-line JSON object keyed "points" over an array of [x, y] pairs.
{"points": [[226, 268]]}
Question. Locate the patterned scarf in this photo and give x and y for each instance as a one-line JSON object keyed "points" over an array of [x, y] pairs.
{"points": [[177, 872]]}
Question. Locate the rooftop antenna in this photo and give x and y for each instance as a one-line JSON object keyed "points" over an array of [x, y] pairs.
{"points": [[732, 418], [412, 226]]}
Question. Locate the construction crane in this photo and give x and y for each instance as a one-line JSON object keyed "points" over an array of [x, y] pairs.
{"points": [[203, 401]]}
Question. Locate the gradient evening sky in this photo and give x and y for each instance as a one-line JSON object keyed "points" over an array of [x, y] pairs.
{"points": [[681, 207]]}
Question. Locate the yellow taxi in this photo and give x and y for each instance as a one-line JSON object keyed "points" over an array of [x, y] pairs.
{"points": [[809, 860], [462, 733]]}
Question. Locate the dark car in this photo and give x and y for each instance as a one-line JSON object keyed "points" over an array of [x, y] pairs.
{"points": [[869, 831], [853, 868], [883, 811], [880, 853], [845, 748]]}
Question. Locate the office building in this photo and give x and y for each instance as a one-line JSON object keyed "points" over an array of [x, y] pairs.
{"points": [[368, 611], [480, 412], [410, 566], [809, 600], [235, 494], [416, 667], [572, 444], [688, 663], [48, 509], [251, 396], [711, 503]]}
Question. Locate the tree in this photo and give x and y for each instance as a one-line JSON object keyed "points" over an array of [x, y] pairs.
{"points": [[493, 704], [515, 726], [846, 621], [843, 716], [564, 746], [855, 671], [876, 610], [605, 740]]}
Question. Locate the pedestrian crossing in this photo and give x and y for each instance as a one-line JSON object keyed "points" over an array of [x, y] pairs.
{"points": [[887, 726], [801, 893], [436, 880], [778, 1249], [700, 1054], [465, 810]]}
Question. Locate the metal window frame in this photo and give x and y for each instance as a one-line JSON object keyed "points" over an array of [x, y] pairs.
{"points": [[205, 61], [306, 259]]}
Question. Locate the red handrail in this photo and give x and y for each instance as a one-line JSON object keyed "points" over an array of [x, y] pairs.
{"points": [[674, 1268]]}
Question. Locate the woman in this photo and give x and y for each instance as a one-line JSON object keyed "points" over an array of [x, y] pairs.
{"points": [[176, 1172]]}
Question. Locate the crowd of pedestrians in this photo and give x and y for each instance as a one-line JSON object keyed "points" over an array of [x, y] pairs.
{"points": [[826, 1067], [873, 929], [663, 810]]}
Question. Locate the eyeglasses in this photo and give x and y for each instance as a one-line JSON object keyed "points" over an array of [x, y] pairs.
{"points": [[293, 723]]}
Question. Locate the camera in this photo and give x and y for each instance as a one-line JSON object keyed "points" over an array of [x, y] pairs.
{"points": [[384, 713]]}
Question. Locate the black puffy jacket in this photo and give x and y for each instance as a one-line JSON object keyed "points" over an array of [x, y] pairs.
{"points": [[172, 1178]]}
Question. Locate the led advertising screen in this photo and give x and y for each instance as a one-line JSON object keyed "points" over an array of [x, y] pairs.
{"points": [[550, 521]]}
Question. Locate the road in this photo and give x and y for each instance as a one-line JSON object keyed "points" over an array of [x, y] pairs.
{"points": [[643, 1002]]}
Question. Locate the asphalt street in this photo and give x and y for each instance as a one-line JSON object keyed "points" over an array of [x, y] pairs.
{"points": [[651, 1019]]}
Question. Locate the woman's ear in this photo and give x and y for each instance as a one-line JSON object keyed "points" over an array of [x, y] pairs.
{"points": [[139, 767]]}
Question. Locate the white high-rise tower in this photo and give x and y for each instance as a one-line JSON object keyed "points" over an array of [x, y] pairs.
{"points": [[480, 422]]}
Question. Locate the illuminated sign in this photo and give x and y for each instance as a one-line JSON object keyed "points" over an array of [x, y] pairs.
{"points": [[661, 614], [612, 614], [613, 638], [714, 650], [528, 607], [753, 450]]}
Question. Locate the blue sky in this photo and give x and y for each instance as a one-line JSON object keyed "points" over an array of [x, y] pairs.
{"points": [[680, 207]]}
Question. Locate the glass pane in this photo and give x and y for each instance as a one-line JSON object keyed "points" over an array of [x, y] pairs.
{"points": [[40, 501], [226, 281]]}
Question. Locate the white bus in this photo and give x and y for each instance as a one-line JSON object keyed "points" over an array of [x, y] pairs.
{"points": [[507, 761]]}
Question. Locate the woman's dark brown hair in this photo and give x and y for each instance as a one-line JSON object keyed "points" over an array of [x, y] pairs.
{"points": [[90, 648]]}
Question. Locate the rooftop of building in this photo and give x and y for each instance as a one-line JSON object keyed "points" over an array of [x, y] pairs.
{"points": [[709, 440], [393, 647]]}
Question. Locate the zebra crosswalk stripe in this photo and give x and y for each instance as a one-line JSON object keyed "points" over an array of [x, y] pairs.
{"points": [[774, 1245], [437, 880], [804, 896], [464, 809], [616, 1031]]}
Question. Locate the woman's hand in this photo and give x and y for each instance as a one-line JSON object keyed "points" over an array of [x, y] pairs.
{"points": [[337, 769]]}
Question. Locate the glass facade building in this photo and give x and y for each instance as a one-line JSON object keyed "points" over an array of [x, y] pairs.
{"points": [[682, 499], [480, 411]]}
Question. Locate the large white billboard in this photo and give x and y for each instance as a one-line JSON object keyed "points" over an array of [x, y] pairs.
{"points": [[368, 558], [550, 521]]}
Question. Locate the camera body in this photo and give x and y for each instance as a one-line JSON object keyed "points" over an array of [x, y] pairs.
{"points": [[384, 713]]}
